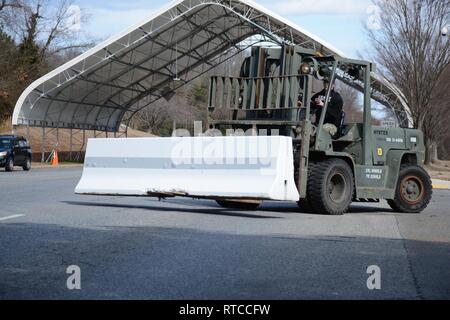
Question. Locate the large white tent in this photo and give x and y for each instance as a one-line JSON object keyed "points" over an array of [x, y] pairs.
{"points": [[107, 85]]}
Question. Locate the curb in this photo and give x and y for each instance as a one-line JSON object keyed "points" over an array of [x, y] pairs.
{"points": [[48, 166], [441, 184]]}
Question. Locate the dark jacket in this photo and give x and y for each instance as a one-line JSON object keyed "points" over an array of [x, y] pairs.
{"points": [[335, 107]]}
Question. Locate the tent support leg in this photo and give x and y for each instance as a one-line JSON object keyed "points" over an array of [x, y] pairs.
{"points": [[71, 145], [43, 145]]}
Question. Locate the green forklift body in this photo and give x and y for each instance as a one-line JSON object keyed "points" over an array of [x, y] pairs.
{"points": [[272, 92]]}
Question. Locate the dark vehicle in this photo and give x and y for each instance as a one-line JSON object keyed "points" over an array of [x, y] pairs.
{"points": [[14, 151]]}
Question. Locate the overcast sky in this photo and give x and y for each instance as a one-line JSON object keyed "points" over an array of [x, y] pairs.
{"points": [[339, 22]]}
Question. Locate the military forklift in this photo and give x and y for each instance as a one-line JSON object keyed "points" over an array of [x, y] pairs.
{"points": [[355, 162]]}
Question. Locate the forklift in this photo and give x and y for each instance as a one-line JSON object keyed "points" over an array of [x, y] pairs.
{"points": [[337, 163]]}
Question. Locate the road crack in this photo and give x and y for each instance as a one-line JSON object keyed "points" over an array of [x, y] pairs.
{"points": [[410, 264]]}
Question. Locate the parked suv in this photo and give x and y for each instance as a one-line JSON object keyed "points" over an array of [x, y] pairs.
{"points": [[14, 151]]}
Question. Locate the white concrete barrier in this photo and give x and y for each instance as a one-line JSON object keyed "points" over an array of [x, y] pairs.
{"points": [[200, 167]]}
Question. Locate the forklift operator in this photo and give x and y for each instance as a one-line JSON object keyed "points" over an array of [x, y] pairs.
{"points": [[333, 117]]}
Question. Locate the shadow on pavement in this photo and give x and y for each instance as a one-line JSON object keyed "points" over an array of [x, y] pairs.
{"points": [[354, 209], [177, 263], [269, 207], [215, 211]]}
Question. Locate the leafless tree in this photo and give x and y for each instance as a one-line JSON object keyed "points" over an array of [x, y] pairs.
{"points": [[436, 125], [9, 4], [160, 116], [151, 118], [5, 10], [413, 54], [36, 36], [55, 26]]}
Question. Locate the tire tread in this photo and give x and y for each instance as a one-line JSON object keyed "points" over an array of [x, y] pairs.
{"points": [[397, 205], [316, 181]]}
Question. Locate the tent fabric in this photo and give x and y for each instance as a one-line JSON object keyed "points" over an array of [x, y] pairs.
{"points": [[105, 86]]}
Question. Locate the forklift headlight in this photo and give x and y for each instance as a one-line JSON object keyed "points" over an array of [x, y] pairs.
{"points": [[305, 68]]}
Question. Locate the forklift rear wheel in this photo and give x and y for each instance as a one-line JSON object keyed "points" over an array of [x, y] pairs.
{"points": [[239, 204], [414, 190], [331, 187]]}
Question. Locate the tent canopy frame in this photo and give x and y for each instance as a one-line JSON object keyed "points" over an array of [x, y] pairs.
{"points": [[107, 85]]}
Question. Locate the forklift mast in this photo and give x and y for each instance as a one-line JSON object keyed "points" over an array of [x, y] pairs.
{"points": [[274, 90]]}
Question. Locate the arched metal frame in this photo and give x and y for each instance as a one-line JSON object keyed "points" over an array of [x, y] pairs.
{"points": [[104, 87]]}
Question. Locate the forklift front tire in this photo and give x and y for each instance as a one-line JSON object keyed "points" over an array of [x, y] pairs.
{"points": [[331, 187]]}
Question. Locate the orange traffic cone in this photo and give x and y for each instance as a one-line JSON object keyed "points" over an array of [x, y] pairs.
{"points": [[55, 161]]}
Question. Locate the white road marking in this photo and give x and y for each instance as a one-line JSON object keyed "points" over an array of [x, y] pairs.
{"points": [[12, 217]]}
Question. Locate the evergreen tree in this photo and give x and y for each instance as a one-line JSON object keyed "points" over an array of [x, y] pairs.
{"points": [[8, 75]]}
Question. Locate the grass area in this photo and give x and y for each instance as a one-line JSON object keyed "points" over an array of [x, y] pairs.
{"points": [[62, 164], [439, 170]]}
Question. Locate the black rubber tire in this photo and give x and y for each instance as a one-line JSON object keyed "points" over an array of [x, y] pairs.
{"points": [[305, 204], [332, 173], [425, 188], [27, 165], [9, 166], [240, 205]]}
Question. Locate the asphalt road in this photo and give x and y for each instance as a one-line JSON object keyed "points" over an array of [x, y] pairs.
{"points": [[140, 248]]}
